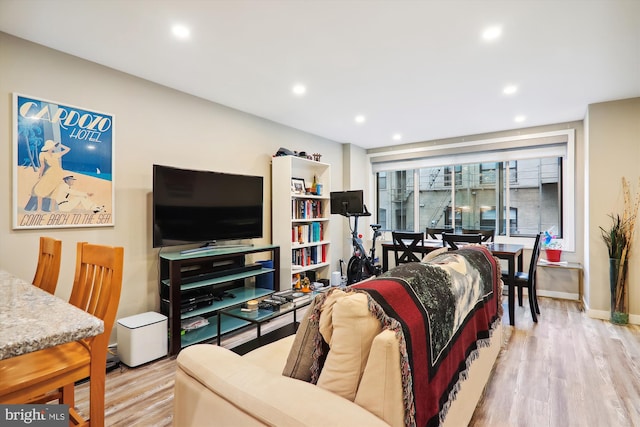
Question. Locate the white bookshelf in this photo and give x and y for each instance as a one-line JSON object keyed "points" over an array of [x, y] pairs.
{"points": [[300, 222]]}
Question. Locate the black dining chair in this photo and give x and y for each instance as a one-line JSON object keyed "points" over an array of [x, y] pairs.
{"points": [[405, 246], [528, 280], [452, 240], [487, 235], [436, 233]]}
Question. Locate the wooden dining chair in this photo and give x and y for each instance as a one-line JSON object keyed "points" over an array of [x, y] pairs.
{"points": [[452, 240], [405, 246], [436, 233], [30, 377], [48, 268], [528, 280], [487, 235]]}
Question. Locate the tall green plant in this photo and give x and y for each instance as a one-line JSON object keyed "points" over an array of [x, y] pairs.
{"points": [[615, 237]]}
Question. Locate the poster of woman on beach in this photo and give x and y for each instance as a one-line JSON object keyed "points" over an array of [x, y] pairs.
{"points": [[63, 165]]}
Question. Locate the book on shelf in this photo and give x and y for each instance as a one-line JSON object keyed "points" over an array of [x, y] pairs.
{"points": [[307, 233], [309, 255], [306, 209]]}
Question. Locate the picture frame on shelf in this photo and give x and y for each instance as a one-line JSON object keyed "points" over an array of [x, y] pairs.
{"points": [[298, 186]]}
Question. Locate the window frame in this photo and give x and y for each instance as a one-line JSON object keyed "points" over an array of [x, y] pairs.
{"points": [[543, 144]]}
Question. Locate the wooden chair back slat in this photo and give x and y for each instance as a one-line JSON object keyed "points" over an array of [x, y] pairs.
{"points": [[452, 240], [487, 235], [436, 233], [405, 246], [48, 268], [98, 279]]}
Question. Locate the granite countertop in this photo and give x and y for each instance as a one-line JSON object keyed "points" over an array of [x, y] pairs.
{"points": [[32, 319]]}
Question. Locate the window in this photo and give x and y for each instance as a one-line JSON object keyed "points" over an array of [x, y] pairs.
{"points": [[518, 186], [475, 200], [382, 180], [395, 200], [488, 219], [488, 172], [447, 175]]}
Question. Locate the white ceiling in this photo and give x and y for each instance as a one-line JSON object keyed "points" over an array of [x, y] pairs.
{"points": [[419, 68]]}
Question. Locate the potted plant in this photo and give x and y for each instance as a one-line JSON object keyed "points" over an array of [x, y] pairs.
{"points": [[618, 237], [551, 246]]}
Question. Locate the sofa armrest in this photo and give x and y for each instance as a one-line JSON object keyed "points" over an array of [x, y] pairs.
{"points": [[380, 390], [252, 391], [272, 356]]}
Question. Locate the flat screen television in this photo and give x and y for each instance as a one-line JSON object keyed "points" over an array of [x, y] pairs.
{"points": [[195, 206]]}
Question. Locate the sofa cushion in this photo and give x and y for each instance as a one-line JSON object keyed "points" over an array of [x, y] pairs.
{"points": [[380, 389], [326, 322], [300, 359], [298, 364], [353, 330]]}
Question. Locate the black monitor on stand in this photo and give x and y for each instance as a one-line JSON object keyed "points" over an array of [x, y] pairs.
{"points": [[348, 203]]}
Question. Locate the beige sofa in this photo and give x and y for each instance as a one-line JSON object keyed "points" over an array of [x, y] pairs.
{"points": [[359, 385]]}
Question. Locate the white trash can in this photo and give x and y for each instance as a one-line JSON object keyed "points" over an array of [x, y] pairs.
{"points": [[142, 338]]}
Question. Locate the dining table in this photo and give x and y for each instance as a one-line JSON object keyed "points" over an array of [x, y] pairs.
{"points": [[510, 252], [32, 319]]}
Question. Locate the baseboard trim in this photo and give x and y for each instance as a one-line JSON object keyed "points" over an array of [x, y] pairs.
{"points": [[550, 294], [559, 295], [634, 319]]}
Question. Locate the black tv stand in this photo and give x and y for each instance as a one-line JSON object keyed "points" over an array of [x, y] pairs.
{"points": [[221, 271]]}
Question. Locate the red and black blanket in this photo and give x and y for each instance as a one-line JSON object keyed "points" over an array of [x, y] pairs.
{"points": [[446, 309]]}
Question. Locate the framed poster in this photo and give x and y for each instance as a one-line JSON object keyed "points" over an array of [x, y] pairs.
{"points": [[62, 165]]}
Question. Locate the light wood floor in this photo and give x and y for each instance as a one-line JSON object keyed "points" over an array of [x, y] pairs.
{"points": [[567, 370]]}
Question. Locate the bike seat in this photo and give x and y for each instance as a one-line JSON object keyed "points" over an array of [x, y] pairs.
{"points": [[375, 227]]}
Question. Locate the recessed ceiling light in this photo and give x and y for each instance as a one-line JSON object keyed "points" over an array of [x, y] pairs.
{"points": [[520, 118], [180, 31], [492, 33], [510, 89], [397, 137], [360, 118], [299, 89]]}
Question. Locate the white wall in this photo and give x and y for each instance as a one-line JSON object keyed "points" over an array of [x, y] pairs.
{"points": [[153, 124], [356, 173], [613, 137]]}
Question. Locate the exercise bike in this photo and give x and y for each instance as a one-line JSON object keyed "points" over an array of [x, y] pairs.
{"points": [[361, 265]]}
